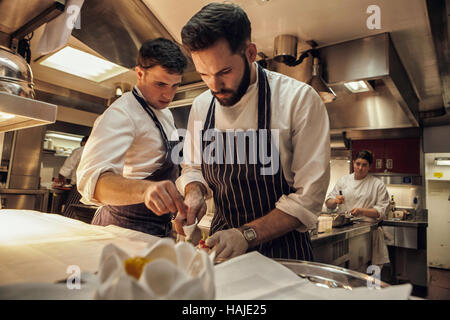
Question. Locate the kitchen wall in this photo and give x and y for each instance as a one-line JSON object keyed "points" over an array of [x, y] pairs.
{"points": [[434, 141], [404, 195]]}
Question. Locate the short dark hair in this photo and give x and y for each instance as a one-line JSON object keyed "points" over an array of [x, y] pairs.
{"points": [[162, 52], [366, 155], [217, 21]]}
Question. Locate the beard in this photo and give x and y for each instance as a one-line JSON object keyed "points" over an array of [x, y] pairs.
{"points": [[239, 93]]}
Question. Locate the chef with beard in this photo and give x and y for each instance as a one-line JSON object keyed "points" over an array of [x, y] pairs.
{"points": [[259, 205]]}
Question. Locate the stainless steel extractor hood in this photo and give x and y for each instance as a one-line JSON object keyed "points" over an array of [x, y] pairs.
{"points": [[18, 112], [18, 109], [392, 102]]}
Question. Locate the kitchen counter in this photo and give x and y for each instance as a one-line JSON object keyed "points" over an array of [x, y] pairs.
{"points": [[406, 223], [348, 246], [342, 233]]}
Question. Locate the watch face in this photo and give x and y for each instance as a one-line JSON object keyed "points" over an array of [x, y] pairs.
{"points": [[249, 234]]}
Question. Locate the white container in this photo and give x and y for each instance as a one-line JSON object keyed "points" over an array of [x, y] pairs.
{"points": [[325, 224]]}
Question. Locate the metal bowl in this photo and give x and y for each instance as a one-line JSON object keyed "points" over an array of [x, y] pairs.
{"points": [[16, 76], [19, 88], [330, 276]]}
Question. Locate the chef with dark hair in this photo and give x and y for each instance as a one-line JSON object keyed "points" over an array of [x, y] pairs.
{"points": [[126, 167], [263, 203]]}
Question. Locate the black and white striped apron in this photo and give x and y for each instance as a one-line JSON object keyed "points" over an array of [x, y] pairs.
{"points": [[241, 193], [138, 216]]}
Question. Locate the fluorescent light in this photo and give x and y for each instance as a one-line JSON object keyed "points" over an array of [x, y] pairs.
{"points": [[63, 136], [6, 116], [82, 64], [357, 86], [442, 161]]}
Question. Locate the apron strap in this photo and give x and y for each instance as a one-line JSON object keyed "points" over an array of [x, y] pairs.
{"points": [[152, 115]]}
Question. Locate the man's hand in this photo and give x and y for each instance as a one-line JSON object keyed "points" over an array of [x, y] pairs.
{"points": [[356, 212], [339, 199], [196, 207], [163, 197], [228, 243]]}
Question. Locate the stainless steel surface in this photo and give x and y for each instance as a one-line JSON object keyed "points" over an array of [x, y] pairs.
{"points": [[365, 111], [28, 112], [15, 74], [438, 13], [25, 199], [285, 46], [116, 29], [347, 232], [55, 94], [18, 88], [13, 67], [25, 162], [330, 276], [14, 14], [393, 104]]}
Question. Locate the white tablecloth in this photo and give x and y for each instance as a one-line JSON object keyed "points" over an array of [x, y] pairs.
{"points": [[39, 247], [36, 250]]}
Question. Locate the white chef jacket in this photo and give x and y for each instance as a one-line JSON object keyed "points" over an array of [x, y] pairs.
{"points": [[369, 192], [69, 168], [304, 146], [125, 141]]}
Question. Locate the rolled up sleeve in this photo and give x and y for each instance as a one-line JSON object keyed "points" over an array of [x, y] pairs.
{"points": [[310, 160], [111, 137], [192, 154]]}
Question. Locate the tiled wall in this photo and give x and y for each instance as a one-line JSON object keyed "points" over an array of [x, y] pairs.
{"points": [[404, 195]]}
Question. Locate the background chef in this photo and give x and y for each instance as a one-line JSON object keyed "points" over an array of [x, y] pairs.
{"points": [[364, 196]]}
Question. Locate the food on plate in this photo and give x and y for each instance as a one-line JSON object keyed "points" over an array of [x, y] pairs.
{"points": [[202, 243], [135, 265]]}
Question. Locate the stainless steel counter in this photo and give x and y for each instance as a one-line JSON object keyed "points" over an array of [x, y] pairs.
{"points": [[348, 246], [342, 233], [406, 223]]}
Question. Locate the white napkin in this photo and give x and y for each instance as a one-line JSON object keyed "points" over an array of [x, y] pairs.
{"points": [[57, 32], [176, 271]]}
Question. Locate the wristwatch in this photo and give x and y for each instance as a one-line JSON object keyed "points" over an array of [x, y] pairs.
{"points": [[248, 233]]}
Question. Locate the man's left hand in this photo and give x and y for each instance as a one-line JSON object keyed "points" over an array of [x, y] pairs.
{"points": [[356, 212], [228, 243]]}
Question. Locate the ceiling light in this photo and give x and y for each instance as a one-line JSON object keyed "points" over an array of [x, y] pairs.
{"points": [[82, 64], [442, 161], [357, 86]]}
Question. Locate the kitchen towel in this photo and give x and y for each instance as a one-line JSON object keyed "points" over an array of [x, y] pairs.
{"points": [[57, 32]]}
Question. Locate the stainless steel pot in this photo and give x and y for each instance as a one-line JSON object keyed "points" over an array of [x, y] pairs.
{"points": [[330, 276], [16, 76]]}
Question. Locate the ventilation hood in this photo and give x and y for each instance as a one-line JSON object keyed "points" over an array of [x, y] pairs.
{"points": [[18, 112], [18, 109], [392, 102]]}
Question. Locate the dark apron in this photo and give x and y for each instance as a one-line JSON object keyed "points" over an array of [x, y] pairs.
{"points": [[138, 216], [241, 193]]}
